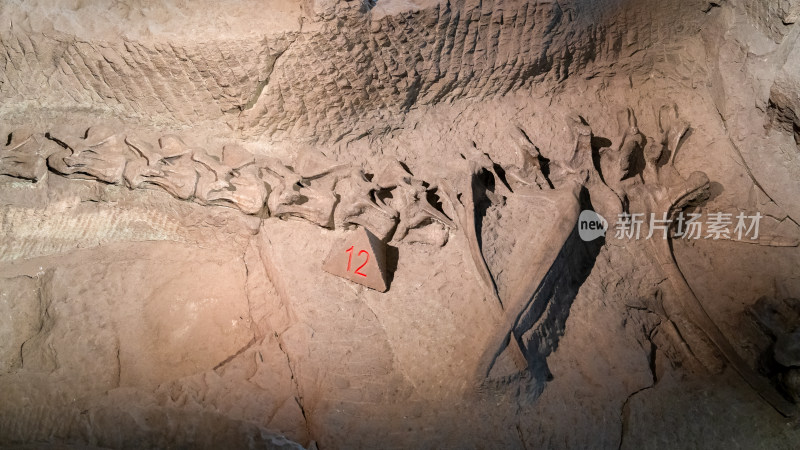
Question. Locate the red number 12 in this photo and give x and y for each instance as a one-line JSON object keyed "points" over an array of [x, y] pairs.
{"points": [[350, 259]]}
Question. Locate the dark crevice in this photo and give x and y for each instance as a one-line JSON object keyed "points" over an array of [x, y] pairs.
{"points": [[636, 164], [259, 88], [598, 144], [405, 167], [624, 415], [433, 197], [544, 165], [297, 397], [521, 437], [501, 174], [56, 140], [233, 356]]}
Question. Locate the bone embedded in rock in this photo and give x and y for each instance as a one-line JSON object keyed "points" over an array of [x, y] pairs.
{"points": [[20, 156], [101, 154]]}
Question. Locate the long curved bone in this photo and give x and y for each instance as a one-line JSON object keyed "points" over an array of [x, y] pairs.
{"points": [[659, 199], [572, 174], [523, 291], [662, 249], [463, 201]]}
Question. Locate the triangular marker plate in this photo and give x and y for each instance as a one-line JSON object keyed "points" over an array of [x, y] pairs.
{"points": [[360, 258]]}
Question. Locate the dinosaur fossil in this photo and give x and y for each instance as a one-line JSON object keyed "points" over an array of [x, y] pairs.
{"points": [[665, 193], [315, 188]]}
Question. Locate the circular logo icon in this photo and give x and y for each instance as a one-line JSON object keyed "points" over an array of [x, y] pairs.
{"points": [[591, 225]]}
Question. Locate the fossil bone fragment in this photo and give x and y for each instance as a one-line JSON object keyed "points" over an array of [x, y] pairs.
{"points": [[391, 174], [532, 273], [213, 175], [245, 190], [359, 205], [293, 196], [671, 196], [616, 164], [673, 128], [527, 169], [577, 159], [314, 205], [573, 175], [100, 155], [414, 208], [312, 164], [462, 196], [22, 158], [171, 168]]}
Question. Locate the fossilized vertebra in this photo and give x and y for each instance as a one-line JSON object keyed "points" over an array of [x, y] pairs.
{"points": [[101, 155], [21, 158]]}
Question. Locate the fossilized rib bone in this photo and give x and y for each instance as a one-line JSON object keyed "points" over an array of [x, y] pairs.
{"points": [[462, 197], [522, 292], [671, 195], [694, 188], [569, 178]]}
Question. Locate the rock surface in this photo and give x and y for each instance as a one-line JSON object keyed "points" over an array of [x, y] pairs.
{"points": [[174, 176]]}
